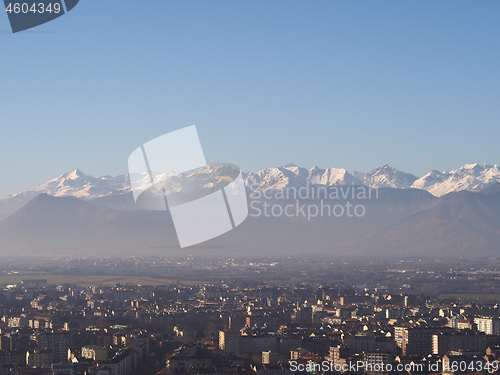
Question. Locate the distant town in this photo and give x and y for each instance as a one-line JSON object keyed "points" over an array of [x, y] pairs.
{"points": [[202, 315]]}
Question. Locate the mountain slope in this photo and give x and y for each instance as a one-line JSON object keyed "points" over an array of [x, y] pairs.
{"points": [[458, 224], [66, 225], [398, 222]]}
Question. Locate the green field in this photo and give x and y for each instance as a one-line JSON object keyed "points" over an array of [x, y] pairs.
{"points": [[93, 280]]}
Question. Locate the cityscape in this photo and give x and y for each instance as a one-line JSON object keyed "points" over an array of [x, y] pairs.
{"points": [[193, 187], [249, 316]]}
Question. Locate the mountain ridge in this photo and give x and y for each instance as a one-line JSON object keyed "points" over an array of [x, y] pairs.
{"points": [[116, 191]]}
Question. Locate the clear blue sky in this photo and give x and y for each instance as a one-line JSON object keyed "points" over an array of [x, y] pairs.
{"points": [[352, 84]]}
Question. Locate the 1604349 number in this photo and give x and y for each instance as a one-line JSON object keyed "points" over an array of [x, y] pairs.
{"points": [[25, 8]]}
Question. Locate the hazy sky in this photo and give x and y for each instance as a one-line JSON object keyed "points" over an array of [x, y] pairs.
{"points": [[352, 84]]}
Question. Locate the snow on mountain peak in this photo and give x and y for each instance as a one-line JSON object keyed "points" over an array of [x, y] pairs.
{"points": [[471, 177], [470, 166], [73, 175], [77, 184], [386, 177]]}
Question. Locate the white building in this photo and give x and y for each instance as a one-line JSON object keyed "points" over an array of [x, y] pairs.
{"points": [[490, 326]]}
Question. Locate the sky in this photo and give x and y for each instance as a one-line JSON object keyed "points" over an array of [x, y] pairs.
{"points": [[331, 83]]}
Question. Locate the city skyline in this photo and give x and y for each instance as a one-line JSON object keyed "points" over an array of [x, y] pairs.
{"points": [[202, 187], [342, 314]]}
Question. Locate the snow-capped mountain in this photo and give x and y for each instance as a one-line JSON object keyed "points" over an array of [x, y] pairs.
{"points": [[273, 179], [386, 176], [470, 177], [79, 185], [71, 184]]}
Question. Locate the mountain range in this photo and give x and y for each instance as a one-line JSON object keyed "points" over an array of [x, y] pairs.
{"points": [[115, 191], [440, 214]]}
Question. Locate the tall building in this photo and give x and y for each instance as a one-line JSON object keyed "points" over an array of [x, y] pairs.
{"points": [[303, 315], [410, 300], [121, 364], [364, 342], [261, 320], [39, 358], [444, 342], [95, 353], [288, 343], [339, 355], [376, 361], [488, 325], [269, 357], [233, 342], [58, 343], [229, 340], [6, 342], [414, 340]]}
